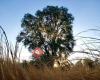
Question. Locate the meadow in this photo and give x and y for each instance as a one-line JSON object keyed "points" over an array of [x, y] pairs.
{"points": [[16, 71]]}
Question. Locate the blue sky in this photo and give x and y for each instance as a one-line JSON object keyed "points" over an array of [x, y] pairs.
{"points": [[85, 12]]}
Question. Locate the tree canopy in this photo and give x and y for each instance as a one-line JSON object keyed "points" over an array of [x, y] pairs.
{"points": [[50, 29]]}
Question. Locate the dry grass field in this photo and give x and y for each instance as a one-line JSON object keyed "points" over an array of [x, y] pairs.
{"points": [[12, 70], [16, 71]]}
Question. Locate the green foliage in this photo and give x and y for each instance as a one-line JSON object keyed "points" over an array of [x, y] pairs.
{"points": [[49, 29]]}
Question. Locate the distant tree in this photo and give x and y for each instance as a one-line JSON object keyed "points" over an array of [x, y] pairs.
{"points": [[49, 29], [87, 63]]}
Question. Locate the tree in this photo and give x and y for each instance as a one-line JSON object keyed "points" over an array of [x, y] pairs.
{"points": [[49, 29]]}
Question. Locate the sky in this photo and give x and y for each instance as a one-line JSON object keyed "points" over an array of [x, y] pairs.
{"points": [[85, 12]]}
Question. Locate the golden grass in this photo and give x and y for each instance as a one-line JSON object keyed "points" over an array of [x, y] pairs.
{"points": [[15, 71], [10, 70]]}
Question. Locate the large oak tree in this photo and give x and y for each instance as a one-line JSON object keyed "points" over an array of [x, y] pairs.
{"points": [[49, 29]]}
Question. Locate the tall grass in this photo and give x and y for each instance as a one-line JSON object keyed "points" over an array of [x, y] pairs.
{"points": [[10, 69]]}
